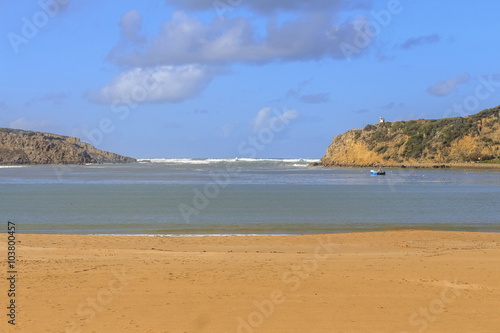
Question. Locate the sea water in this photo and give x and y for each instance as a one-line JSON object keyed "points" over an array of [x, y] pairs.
{"points": [[244, 197]]}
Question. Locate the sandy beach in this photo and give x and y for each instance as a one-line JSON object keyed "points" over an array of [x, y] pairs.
{"points": [[394, 281]]}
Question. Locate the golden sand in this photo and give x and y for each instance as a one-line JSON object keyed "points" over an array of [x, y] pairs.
{"points": [[395, 281]]}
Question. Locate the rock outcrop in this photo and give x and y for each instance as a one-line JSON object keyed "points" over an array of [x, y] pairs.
{"points": [[474, 138], [27, 147]]}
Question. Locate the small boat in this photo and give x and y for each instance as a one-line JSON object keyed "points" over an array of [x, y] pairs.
{"points": [[379, 172]]}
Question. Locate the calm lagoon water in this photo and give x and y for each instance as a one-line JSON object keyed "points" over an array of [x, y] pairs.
{"points": [[244, 196]]}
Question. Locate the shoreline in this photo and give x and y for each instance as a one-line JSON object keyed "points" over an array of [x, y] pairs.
{"points": [[258, 235], [450, 166], [398, 280]]}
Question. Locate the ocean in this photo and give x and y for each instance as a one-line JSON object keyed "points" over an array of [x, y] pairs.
{"points": [[173, 197]]}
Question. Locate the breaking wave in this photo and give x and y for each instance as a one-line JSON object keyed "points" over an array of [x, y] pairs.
{"points": [[293, 162]]}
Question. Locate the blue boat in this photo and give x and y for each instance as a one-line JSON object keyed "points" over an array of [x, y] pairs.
{"points": [[379, 172]]}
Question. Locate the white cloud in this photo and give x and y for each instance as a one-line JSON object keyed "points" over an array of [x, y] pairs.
{"points": [[131, 26], [269, 118], [307, 98], [55, 99], [421, 40], [271, 6], [185, 40], [162, 84], [393, 105], [130, 33], [187, 53], [228, 129], [315, 98], [444, 87]]}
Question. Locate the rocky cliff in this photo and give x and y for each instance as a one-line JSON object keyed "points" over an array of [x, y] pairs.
{"points": [[474, 138], [27, 147]]}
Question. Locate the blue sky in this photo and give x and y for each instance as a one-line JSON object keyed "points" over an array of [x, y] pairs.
{"points": [[241, 78]]}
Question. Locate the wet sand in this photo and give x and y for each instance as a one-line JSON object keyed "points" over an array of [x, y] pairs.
{"points": [[394, 281]]}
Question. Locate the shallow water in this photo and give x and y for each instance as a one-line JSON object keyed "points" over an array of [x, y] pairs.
{"points": [[231, 196]]}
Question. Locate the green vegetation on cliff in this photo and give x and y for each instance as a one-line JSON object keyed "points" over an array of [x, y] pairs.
{"points": [[474, 138], [28, 147]]}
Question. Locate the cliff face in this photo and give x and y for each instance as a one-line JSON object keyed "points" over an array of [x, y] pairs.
{"points": [[474, 138], [27, 147]]}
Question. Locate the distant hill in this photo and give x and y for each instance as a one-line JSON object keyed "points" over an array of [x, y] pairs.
{"points": [[27, 147], [474, 138]]}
